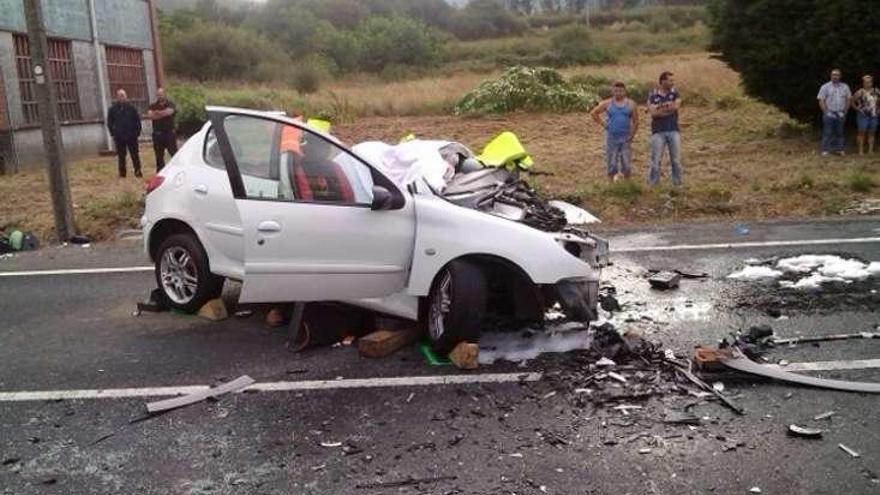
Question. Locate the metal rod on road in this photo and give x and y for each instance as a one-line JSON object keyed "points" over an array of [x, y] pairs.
{"points": [[46, 100], [827, 338]]}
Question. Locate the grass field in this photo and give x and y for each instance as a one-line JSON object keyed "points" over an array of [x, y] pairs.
{"points": [[742, 159]]}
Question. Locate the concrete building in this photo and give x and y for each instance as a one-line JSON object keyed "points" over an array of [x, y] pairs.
{"points": [[95, 48]]}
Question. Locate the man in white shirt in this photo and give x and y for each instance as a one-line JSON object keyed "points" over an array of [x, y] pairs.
{"points": [[835, 99]]}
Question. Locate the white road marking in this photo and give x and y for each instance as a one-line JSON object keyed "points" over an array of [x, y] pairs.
{"points": [[855, 364], [398, 381], [741, 245], [78, 271], [642, 249]]}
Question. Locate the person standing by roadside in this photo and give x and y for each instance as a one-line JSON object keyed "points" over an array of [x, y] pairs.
{"points": [[835, 99], [161, 112], [124, 123], [663, 105], [621, 123], [866, 103]]}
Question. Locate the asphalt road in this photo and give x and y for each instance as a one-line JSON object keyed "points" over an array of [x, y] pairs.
{"points": [[76, 332]]}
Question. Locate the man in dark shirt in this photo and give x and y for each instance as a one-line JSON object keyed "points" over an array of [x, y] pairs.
{"points": [[124, 123], [162, 114], [663, 105]]}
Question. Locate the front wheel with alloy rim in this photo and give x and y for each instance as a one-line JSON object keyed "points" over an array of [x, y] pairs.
{"points": [[456, 306], [183, 275]]}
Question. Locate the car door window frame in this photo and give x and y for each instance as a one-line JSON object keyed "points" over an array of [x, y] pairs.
{"points": [[218, 118]]}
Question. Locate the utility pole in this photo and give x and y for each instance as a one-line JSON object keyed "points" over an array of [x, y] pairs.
{"points": [[587, 13], [46, 104]]}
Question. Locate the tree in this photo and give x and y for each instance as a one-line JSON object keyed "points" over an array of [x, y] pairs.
{"points": [[784, 49]]}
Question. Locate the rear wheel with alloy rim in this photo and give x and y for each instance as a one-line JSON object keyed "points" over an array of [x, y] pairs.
{"points": [[456, 306], [183, 275]]}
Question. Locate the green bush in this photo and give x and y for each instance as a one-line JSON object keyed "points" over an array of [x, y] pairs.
{"points": [[636, 90], [190, 108], [309, 74], [525, 88], [396, 40], [485, 19], [216, 52], [575, 47], [784, 49]]}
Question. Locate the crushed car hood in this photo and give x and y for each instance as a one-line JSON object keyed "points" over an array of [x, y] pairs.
{"points": [[448, 169]]}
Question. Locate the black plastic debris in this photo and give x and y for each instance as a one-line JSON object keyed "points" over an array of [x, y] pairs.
{"points": [[153, 304], [664, 280], [79, 239], [681, 418], [608, 299]]}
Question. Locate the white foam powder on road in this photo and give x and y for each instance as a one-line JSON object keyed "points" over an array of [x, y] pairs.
{"points": [[814, 270], [756, 273]]}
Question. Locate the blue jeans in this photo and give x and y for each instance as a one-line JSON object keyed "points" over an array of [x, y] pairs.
{"points": [[617, 154], [659, 141], [832, 132]]}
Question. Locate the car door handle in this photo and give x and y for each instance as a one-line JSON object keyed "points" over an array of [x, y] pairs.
{"points": [[200, 189], [269, 226]]}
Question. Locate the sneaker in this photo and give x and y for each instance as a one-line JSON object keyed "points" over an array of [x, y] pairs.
{"points": [[824, 153]]}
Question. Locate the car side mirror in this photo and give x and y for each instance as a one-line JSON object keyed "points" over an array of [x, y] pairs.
{"points": [[382, 198]]}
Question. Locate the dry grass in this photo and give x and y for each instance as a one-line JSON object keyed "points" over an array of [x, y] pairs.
{"points": [[102, 203], [698, 74]]}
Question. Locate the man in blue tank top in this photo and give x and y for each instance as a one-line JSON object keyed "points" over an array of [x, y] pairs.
{"points": [[621, 123], [663, 105]]}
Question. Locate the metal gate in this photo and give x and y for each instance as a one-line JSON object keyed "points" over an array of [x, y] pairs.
{"points": [[7, 151]]}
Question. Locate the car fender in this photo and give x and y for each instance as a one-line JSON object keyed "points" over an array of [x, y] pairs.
{"points": [[445, 232], [173, 200]]}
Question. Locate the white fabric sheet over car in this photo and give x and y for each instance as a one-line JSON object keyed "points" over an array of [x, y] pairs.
{"points": [[412, 162]]}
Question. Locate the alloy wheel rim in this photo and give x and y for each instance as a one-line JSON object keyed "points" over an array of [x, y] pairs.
{"points": [[178, 275], [440, 305]]}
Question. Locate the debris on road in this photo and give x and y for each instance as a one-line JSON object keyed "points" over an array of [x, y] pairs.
{"points": [[755, 489], [153, 304], [406, 482], [604, 362], [331, 445], [827, 338], [734, 359], [708, 388], [664, 280], [681, 418], [617, 376], [800, 431], [186, 400], [848, 450], [824, 415]]}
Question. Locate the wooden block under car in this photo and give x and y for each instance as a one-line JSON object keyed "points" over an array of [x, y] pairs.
{"points": [[214, 310], [383, 343], [464, 356], [665, 280]]}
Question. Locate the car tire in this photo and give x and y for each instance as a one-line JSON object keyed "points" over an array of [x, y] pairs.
{"points": [[183, 275], [456, 306]]}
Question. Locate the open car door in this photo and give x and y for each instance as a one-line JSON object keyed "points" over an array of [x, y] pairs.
{"points": [[312, 230]]}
